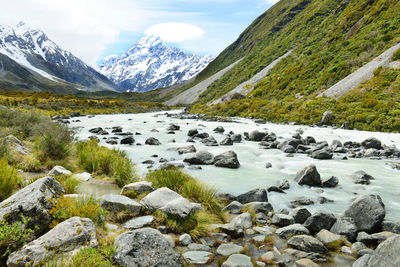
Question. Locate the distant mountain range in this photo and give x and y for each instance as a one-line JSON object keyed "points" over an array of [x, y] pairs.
{"points": [[30, 61], [152, 64]]}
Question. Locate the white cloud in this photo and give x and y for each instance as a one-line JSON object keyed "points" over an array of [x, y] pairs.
{"points": [[175, 32]]}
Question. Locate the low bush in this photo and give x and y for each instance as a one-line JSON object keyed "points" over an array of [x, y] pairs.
{"points": [[9, 179], [13, 237], [101, 160], [396, 55], [69, 183], [84, 206], [100, 257]]}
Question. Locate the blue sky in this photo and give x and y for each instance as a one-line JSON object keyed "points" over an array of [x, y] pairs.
{"points": [[93, 29]]}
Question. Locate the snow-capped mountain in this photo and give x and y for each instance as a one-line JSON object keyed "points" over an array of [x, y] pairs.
{"points": [[33, 50], [152, 64]]}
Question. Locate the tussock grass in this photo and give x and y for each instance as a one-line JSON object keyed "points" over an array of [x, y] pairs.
{"points": [[9, 179], [101, 160]]}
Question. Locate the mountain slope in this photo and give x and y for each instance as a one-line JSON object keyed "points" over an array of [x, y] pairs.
{"points": [[151, 64], [34, 51]]}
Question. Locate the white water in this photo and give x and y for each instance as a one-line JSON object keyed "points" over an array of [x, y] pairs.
{"points": [[252, 173]]}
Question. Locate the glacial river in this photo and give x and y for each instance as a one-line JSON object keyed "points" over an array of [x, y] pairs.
{"points": [[252, 172]]}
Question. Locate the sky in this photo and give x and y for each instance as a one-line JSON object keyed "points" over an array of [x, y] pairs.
{"points": [[94, 29]]}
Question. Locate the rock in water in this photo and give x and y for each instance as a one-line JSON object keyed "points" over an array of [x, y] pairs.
{"points": [[200, 158], [145, 247], [227, 160], [361, 177], [372, 143], [127, 141], [69, 236], [33, 202], [367, 212], [308, 176], [320, 220], [255, 195], [386, 254], [152, 141]]}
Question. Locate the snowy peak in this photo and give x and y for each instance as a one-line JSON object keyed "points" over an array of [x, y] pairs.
{"points": [[31, 48], [152, 64]]}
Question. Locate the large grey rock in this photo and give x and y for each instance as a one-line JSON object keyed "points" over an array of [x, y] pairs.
{"points": [[170, 202], [67, 237], [152, 141], [145, 247], [258, 207], [291, 230], [282, 220], [197, 257], [324, 153], [59, 170], [308, 244], [328, 238], [228, 249], [345, 226], [300, 214], [84, 176], [186, 149], [138, 187], [238, 260], [244, 220], [209, 141], [139, 222], [227, 160], [386, 254], [118, 203], [16, 145], [320, 220], [332, 181], [33, 202], [185, 239], [327, 117], [226, 142], [234, 207], [367, 212], [372, 143], [362, 261], [127, 140], [233, 230], [257, 136], [308, 176], [361, 177], [255, 195], [200, 158]]}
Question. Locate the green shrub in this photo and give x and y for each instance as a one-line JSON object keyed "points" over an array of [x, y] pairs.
{"points": [[69, 183], [13, 237], [9, 179], [396, 55], [104, 161], [99, 257], [84, 206]]}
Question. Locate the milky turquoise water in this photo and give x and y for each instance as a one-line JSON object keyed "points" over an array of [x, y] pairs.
{"points": [[252, 173]]}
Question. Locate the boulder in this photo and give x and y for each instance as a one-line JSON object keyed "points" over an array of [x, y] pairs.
{"points": [[361, 177], [233, 230], [238, 260], [300, 214], [236, 138], [256, 136], [169, 202], [173, 127], [219, 129], [333, 181], [192, 132], [282, 220], [200, 158], [255, 195], [186, 149], [329, 239], [305, 263], [185, 239], [145, 247], [327, 117], [244, 220], [201, 135], [284, 184], [16, 145], [386, 254], [127, 140], [320, 220], [152, 141], [139, 222], [367, 212], [209, 141], [227, 160], [303, 201], [372, 143], [84, 176], [228, 249], [118, 203], [345, 226], [34, 202], [308, 244], [197, 257], [234, 207], [226, 142], [69, 237], [258, 207], [138, 187], [362, 261], [59, 170], [308, 176], [96, 130], [292, 230]]}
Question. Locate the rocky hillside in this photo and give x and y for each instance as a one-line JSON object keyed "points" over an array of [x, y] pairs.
{"points": [[31, 61], [152, 64], [330, 40]]}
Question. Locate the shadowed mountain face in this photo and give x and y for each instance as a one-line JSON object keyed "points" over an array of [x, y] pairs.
{"points": [[35, 52], [151, 64]]}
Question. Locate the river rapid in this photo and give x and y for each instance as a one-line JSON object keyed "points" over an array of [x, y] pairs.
{"points": [[252, 172]]}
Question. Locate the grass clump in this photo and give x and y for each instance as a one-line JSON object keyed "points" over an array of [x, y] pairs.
{"points": [[69, 183], [13, 237], [101, 160], [396, 55], [188, 187], [100, 257], [9, 179], [84, 206]]}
